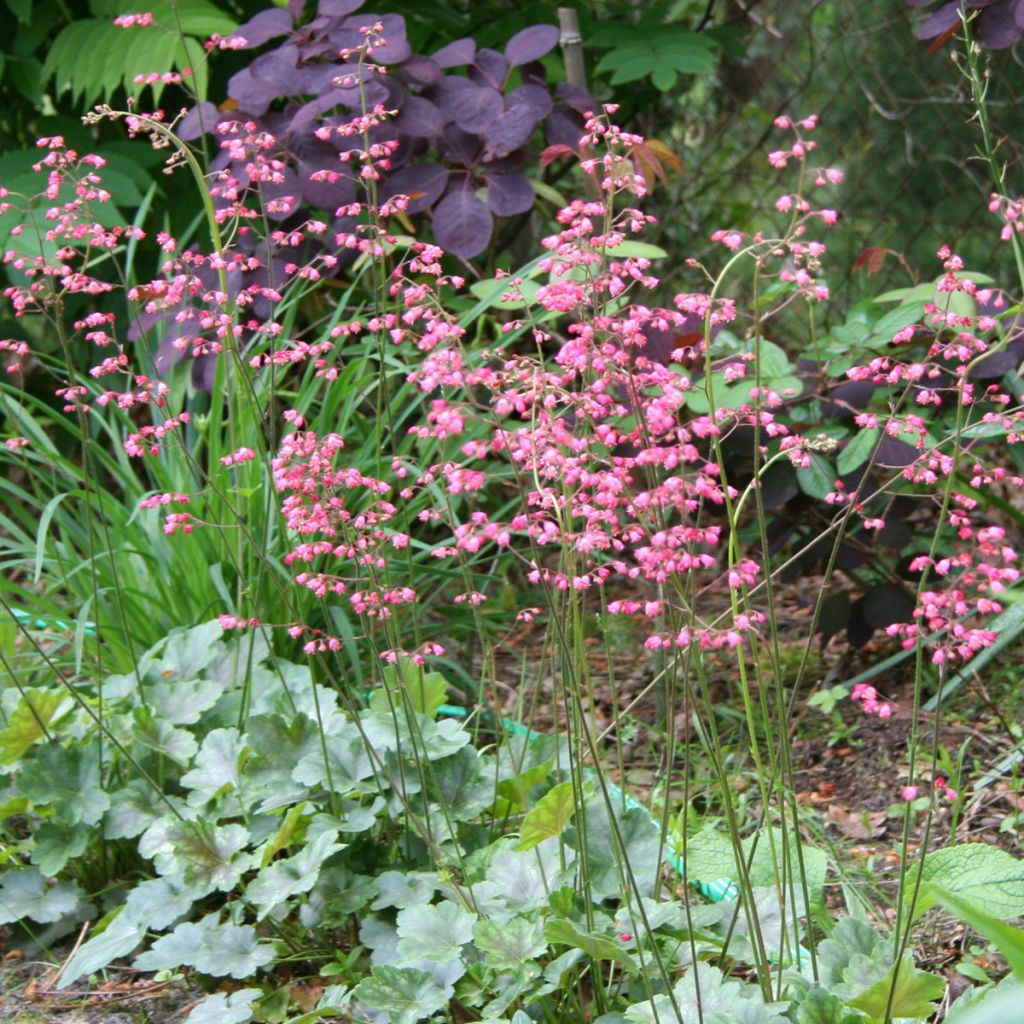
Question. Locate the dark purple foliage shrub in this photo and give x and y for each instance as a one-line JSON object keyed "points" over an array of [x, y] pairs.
{"points": [[998, 24], [464, 117]]}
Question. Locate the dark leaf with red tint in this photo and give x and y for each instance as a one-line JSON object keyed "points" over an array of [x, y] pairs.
{"points": [[423, 183], [872, 257]]}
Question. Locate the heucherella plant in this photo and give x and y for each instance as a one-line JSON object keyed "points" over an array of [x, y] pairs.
{"points": [[313, 527]]}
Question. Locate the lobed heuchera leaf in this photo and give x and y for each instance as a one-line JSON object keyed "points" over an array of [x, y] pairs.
{"points": [[435, 932], [220, 950], [25, 893], [406, 994], [223, 1008], [68, 780], [285, 878]]}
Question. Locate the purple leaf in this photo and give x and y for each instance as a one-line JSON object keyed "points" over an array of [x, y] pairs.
{"points": [[531, 44], [945, 18], [579, 99], [448, 95], [326, 195], [338, 8], [489, 68], [536, 97], [280, 69], [295, 7], [281, 198], [395, 47], [419, 70], [894, 454], [534, 73], [479, 109], [509, 194], [888, 603], [266, 25], [998, 27], [1018, 14], [511, 131], [428, 179], [201, 120], [419, 119], [456, 54], [252, 94], [462, 224], [564, 127]]}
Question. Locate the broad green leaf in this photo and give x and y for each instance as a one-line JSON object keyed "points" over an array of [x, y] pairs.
{"points": [[56, 844], [159, 902], [858, 450], [507, 945], [132, 810], [639, 835], [817, 479], [220, 950], [989, 879], [403, 889], [218, 766], [896, 319], [637, 250], [211, 854], [818, 1006], [406, 994], [118, 939], [25, 893], [222, 1008], [553, 812], [183, 702], [161, 737], [1006, 938], [704, 990], [913, 993], [999, 1005], [35, 712], [68, 780], [286, 878], [460, 786], [435, 932], [491, 291], [423, 692], [598, 947]]}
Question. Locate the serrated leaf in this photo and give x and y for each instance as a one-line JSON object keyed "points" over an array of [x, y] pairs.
{"points": [[220, 950], [25, 893], [553, 812], [424, 692], [404, 993], [818, 1006], [1006, 938], [183, 702], [67, 780], [56, 844], [404, 889], [218, 766], [507, 945], [903, 992], [223, 1008], [990, 879], [161, 737], [37, 709], [210, 854], [435, 932], [598, 947], [133, 809], [286, 878]]}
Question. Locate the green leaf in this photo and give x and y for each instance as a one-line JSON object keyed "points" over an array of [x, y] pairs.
{"points": [[990, 879], [404, 993], [896, 319], [858, 450], [999, 1005], [21, 9], [637, 250], [435, 932], [67, 780], [211, 853], [184, 701], [36, 710], [507, 945], [56, 844], [818, 1006], [218, 766], [913, 993], [160, 736], [1006, 938], [221, 1008], [403, 889], [220, 950], [553, 812], [491, 292], [133, 809], [598, 947], [25, 893], [286, 878], [118, 939], [817, 479], [424, 691]]}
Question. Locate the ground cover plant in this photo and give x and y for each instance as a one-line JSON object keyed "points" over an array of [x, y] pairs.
{"points": [[292, 491]]}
